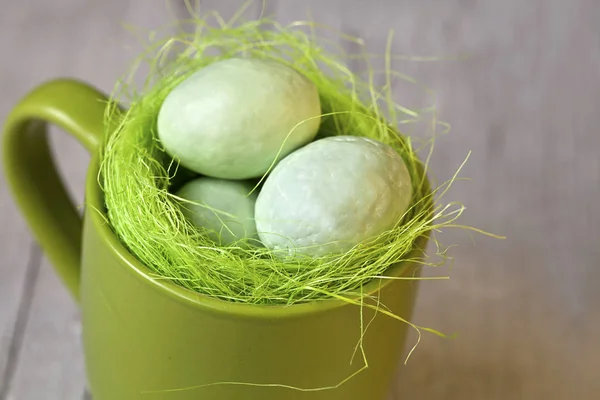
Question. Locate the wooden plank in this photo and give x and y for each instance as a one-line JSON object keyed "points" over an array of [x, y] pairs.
{"points": [[51, 364], [18, 269], [93, 46], [243, 9], [15, 315], [525, 101]]}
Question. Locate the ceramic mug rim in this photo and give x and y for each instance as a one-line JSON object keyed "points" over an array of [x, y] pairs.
{"points": [[96, 214]]}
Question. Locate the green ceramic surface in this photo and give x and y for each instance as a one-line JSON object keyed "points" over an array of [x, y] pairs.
{"points": [[148, 339]]}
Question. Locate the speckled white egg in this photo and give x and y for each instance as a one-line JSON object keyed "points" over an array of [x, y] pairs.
{"points": [[230, 119], [331, 195], [222, 208]]}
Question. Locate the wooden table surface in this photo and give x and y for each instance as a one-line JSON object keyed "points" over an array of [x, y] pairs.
{"points": [[524, 96]]}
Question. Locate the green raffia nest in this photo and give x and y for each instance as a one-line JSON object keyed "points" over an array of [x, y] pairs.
{"points": [[138, 177]]}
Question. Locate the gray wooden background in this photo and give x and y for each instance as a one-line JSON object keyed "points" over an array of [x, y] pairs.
{"points": [[525, 98]]}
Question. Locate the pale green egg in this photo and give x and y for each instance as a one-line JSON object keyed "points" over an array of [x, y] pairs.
{"points": [[331, 195], [221, 208], [231, 118]]}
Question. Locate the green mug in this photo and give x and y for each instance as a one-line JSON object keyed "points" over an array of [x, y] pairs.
{"points": [[151, 339]]}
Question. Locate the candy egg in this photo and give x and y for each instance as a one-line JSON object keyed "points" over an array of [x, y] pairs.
{"points": [[331, 195], [231, 118], [222, 208]]}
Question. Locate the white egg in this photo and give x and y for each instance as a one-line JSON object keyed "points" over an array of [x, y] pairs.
{"points": [[231, 118], [331, 195], [221, 208]]}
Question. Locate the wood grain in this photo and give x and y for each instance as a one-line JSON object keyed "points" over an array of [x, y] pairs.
{"points": [[520, 84], [92, 43], [50, 365]]}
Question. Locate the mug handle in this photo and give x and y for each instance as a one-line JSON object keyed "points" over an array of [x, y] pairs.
{"points": [[31, 173]]}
